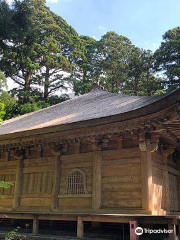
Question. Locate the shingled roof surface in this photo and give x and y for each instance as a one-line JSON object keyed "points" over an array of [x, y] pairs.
{"points": [[93, 105]]}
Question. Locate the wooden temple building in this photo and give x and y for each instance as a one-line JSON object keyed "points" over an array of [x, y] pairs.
{"points": [[100, 157]]}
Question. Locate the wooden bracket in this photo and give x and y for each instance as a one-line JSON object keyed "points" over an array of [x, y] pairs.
{"points": [[64, 147], [38, 148], [19, 154], [143, 145], [154, 147], [166, 150], [96, 144], [104, 142], [77, 147], [57, 150]]}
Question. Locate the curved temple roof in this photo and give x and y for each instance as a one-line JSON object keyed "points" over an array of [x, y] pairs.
{"points": [[96, 104]]}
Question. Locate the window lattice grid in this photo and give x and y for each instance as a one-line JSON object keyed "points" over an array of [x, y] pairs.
{"points": [[75, 183]]}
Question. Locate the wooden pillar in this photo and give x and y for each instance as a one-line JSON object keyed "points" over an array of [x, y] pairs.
{"points": [[133, 225], [178, 183], [7, 156], [56, 182], [166, 152], [172, 227], [166, 189], [97, 176], [146, 176], [35, 225], [119, 141], [19, 180], [146, 173], [80, 228]]}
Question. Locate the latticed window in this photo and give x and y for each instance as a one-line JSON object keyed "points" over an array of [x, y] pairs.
{"points": [[76, 182]]}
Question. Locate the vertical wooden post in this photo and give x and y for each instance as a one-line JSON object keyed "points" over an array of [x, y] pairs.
{"points": [[80, 228], [35, 225], [7, 156], [97, 176], [119, 141], [77, 147], [166, 152], [166, 189], [18, 183], [133, 226], [146, 176], [172, 227], [147, 148], [56, 183], [178, 183]]}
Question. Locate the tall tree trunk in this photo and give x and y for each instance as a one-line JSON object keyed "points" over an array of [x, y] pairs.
{"points": [[46, 85], [27, 88]]}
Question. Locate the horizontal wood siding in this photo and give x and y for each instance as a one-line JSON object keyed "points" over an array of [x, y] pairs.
{"points": [[121, 179]]}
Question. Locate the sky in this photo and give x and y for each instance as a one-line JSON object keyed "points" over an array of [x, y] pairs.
{"points": [[142, 21]]}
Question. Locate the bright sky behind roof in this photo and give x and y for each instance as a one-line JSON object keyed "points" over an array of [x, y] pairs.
{"points": [[142, 21]]}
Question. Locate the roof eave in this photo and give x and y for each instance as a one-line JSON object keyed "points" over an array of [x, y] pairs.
{"points": [[161, 104]]}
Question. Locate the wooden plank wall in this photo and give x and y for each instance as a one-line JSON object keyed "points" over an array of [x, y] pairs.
{"points": [[121, 177], [37, 180], [7, 174], [174, 181]]}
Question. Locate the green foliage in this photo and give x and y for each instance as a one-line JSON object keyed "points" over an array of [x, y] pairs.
{"points": [[114, 51], [3, 81], [141, 79], [6, 184], [84, 69], [47, 46], [13, 235], [81, 87], [117, 65], [10, 105], [2, 111], [168, 57], [43, 54]]}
